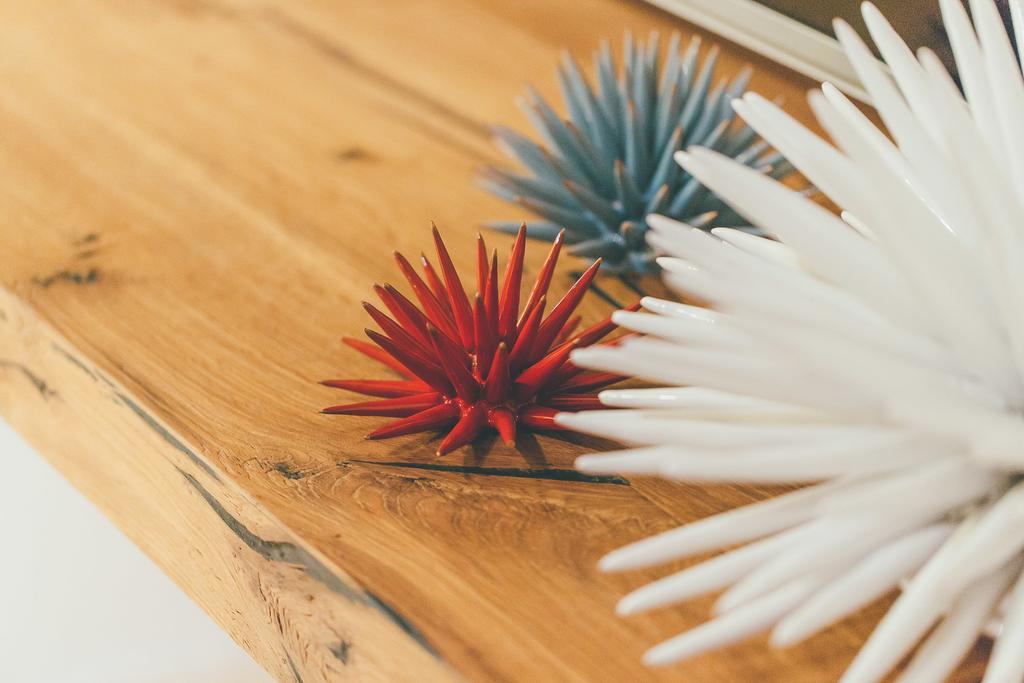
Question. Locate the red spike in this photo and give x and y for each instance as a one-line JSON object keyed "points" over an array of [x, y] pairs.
{"points": [[496, 386], [377, 387], [453, 360], [378, 354], [567, 372], [621, 338], [504, 420], [560, 313], [403, 406], [572, 402], [539, 417], [563, 376], [428, 372], [598, 331], [434, 282], [436, 313], [529, 382], [456, 294], [526, 316], [510, 287], [469, 426], [403, 310], [484, 338], [481, 264], [568, 329], [540, 287], [587, 381], [432, 418], [491, 295], [396, 332], [521, 351]]}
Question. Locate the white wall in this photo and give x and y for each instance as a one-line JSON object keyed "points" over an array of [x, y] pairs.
{"points": [[80, 604]]}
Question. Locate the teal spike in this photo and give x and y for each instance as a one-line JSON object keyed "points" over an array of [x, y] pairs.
{"points": [[633, 162], [559, 138], [629, 69], [665, 116], [750, 155], [610, 97], [666, 163], [628, 194], [529, 154], [781, 169], [537, 229], [512, 185], [606, 247], [600, 208], [667, 109], [702, 201], [526, 105], [704, 220], [681, 203], [651, 67], [577, 106], [697, 96], [574, 221], [606, 159], [728, 218], [563, 168], [689, 69], [652, 52], [641, 160], [498, 189], [670, 74], [633, 235], [644, 89], [711, 115], [735, 89], [643, 262], [740, 141], [601, 132], [739, 83], [770, 160], [641, 103], [713, 138], [657, 201], [605, 185]]}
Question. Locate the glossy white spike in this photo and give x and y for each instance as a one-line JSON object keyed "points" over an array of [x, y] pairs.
{"points": [[758, 246], [867, 580], [728, 628], [840, 539], [914, 612], [712, 575], [1007, 663], [971, 67], [936, 659], [742, 524]]}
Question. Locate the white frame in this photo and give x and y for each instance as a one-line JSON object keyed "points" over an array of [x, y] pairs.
{"points": [[774, 35]]}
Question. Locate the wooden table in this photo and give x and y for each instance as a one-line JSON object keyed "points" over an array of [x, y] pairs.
{"points": [[196, 195]]}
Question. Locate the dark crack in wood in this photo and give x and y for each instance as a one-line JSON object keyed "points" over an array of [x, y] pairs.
{"points": [[522, 472], [73, 277], [38, 382], [289, 553]]}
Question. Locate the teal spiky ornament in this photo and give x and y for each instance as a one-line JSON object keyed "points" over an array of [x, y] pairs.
{"points": [[600, 173]]}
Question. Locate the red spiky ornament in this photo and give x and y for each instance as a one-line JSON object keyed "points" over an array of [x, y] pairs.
{"points": [[472, 365]]}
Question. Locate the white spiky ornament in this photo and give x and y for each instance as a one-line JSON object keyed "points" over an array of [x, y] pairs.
{"points": [[879, 360]]}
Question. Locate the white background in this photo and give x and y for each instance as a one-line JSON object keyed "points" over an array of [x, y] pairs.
{"points": [[80, 604]]}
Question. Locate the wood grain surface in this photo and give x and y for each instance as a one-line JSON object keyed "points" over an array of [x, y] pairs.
{"points": [[196, 196]]}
